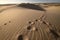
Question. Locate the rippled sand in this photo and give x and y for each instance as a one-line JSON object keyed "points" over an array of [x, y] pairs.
{"points": [[14, 20]]}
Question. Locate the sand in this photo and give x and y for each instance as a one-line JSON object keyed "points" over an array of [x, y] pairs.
{"points": [[13, 21]]}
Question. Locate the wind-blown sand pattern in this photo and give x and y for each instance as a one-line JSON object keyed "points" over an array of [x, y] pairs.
{"points": [[18, 23]]}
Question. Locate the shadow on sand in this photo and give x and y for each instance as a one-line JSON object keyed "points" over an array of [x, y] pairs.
{"points": [[31, 6]]}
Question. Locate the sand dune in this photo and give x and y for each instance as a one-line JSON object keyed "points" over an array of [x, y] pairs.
{"points": [[14, 22]]}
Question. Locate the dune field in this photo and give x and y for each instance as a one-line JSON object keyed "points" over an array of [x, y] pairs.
{"points": [[14, 22]]}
